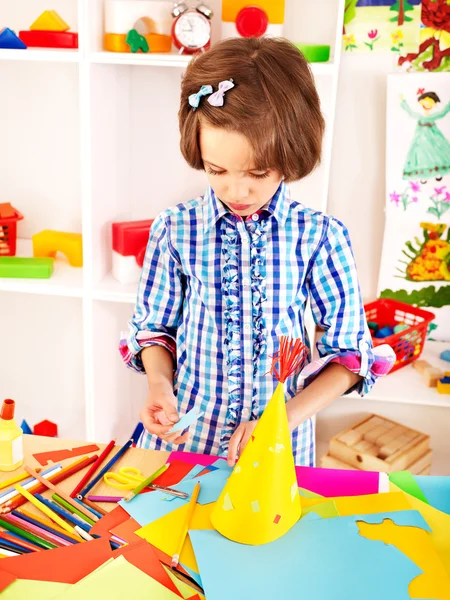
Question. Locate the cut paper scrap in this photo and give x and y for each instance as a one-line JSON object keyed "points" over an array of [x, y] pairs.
{"points": [[260, 500], [437, 491], [317, 558], [326, 510], [35, 590], [212, 484], [370, 504], [117, 580], [145, 508], [126, 531], [117, 516], [164, 533], [406, 482], [54, 456], [187, 420], [415, 543], [62, 565], [183, 588], [439, 523], [308, 493]]}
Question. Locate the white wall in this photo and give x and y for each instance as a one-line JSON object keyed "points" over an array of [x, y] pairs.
{"points": [[357, 180]]}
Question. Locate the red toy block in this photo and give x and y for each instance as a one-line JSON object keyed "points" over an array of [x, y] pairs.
{"points": [[49, 39], [129, 238], [46, 428]]}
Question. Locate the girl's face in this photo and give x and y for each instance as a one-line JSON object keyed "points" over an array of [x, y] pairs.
{"points": [[228, 160], [427, 103]]}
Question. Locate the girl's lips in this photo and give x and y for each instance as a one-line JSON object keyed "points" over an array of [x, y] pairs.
{"points": [[239, 206]]}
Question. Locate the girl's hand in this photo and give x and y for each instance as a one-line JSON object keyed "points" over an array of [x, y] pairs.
{"points": [[160, 414], [239, 440]]}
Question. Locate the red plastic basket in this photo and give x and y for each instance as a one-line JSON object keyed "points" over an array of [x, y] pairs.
{"points": [[8, 234], [407, 344]]}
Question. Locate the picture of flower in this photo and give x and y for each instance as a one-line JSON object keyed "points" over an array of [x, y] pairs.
{"points": [[373, 36], [428, 260], [397, 43], [350, 42]]}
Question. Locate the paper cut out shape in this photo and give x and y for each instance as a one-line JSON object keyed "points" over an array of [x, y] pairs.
{"points": [[318, 558], [265, 472], [187, 420]]}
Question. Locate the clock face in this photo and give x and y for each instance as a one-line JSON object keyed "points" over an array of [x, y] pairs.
{"points": [[192, 30]]}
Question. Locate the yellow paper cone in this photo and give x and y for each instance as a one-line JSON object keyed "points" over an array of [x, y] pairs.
{"points": [[260, 501]]}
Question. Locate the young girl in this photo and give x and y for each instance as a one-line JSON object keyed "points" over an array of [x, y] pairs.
{"points": [[226, 274]]}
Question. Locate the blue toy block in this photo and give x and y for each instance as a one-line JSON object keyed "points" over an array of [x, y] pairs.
{"points": [[26, 428], [445, 355], [384, 332], [9, 40]]}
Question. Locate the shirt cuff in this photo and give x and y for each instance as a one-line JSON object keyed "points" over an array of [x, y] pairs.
{"points": [[130, 348], [371, 363]]}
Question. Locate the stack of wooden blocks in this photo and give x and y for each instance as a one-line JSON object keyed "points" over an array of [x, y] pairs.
{"points": [[378, 444]]}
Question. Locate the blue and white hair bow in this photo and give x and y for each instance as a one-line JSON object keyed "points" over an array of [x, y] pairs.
{"points": [[218, 97], [194, 99]]}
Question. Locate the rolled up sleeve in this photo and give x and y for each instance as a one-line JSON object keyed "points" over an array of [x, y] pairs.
{"points": [[159, 301], [338, 309]]}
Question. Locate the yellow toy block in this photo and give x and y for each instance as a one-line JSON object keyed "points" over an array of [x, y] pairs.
{"points": [[273, 8], [49, 20], [47, 243]]}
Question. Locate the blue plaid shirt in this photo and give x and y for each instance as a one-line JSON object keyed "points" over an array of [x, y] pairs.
{"points": [[219, 291]]}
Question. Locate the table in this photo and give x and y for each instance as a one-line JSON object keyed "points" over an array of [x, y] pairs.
{"points": [[147, 461]]}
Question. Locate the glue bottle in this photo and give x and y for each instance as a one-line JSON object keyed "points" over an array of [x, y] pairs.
{"points": [[11, 438]]}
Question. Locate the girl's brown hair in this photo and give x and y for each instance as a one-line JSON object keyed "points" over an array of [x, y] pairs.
{"points": [[274, 103]]}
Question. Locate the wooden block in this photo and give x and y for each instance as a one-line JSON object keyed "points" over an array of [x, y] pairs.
{"points": [[375, 433], [431, 376], [409, 453], [350, 437], [424, 462], [366, 425], [362, 446], [426, 471], [330, 462], [393, 433], [360, 460], [420, 365]]}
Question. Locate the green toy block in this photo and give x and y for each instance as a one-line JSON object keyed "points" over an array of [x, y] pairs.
{"points": [[315, 53], [26, 268]]}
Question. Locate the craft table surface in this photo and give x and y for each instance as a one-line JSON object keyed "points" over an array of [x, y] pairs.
{"points": [[147, 461]]}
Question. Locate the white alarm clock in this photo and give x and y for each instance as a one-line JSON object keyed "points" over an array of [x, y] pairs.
{"points": [[191, 30]]}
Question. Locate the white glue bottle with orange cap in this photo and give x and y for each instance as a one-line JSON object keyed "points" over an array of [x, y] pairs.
{"points": [[11, 438]]}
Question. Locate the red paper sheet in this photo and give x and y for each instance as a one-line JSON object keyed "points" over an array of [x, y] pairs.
{"points": [[55, 456], [126, 531], [114, 518], [175, 473], [6, 579]]}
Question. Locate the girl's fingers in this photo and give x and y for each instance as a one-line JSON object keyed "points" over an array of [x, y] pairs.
{"points": [[235, 441], [151, 425]]}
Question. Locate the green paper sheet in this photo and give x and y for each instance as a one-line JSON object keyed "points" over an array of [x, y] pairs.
{"points": [[308, 494], [406, 482], [327, 510], [117, 580], [34, 590]]}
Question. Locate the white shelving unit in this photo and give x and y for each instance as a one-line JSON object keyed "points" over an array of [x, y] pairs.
{"points": [[92, 138]]}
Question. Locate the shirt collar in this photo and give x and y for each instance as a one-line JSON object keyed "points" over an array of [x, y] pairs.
{"points": [[214, 209]]}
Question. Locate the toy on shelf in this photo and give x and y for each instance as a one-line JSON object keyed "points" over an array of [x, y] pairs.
{"points": [[25, 268], [8, 229], [129, 241], [11, 438], [445, 355], [46, 428], [150, 19], [191, 30], [241, 18], [443, 385], [379, 444], [47, 243], [386, 316], [49, 31], [315, 53], [430, 374], [26, 428], [10, 41]]}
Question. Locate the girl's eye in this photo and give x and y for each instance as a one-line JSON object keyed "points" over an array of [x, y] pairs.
{"points": [[260, 175], [212, 172]]}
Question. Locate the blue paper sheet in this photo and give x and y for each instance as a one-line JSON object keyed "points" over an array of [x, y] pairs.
{"points": [[211, 486], [187, 420], [318, 558], [436, 490], [146, 508]]}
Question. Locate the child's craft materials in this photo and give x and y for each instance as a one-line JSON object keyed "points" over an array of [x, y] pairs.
{"points": [[115, 499], [184, 532], [11, 438], [146, 482], [83, 481], [48, 242], [186, 420], [44, 458]]}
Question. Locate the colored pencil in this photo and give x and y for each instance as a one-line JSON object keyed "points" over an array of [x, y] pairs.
{"points": [[37, 531], [5, 545], [21, 541], [105, 498], [57, 478], [29, 536], [84, 480], [43, 508], [64, 513], [8, 553], [16, 479], [105, 469], [184, 532], [74, 511], [95, 509], [50, 485], [28, 484], [147, 482], [84, 534], [50, 528]]}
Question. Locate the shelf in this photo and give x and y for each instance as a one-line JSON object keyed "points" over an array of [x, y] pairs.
{"points": [[65, 280], [111, 290], [41, 55], [407, 386]]}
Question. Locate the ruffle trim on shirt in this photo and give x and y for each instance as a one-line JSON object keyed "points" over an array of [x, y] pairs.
{"points": [[372, 364], [131, 352], [232, 315]]}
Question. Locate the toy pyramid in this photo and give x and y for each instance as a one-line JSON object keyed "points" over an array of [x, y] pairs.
{"points": [[10, 41], [49, 20], [260, 501]]}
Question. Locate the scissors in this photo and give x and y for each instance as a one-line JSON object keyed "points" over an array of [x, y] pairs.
{"points": [[127, 478]]}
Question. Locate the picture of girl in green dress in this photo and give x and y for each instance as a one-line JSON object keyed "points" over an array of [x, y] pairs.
{"points": [[429, 154]]}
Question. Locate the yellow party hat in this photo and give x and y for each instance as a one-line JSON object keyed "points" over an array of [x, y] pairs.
{"points": [[260, 501]]}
